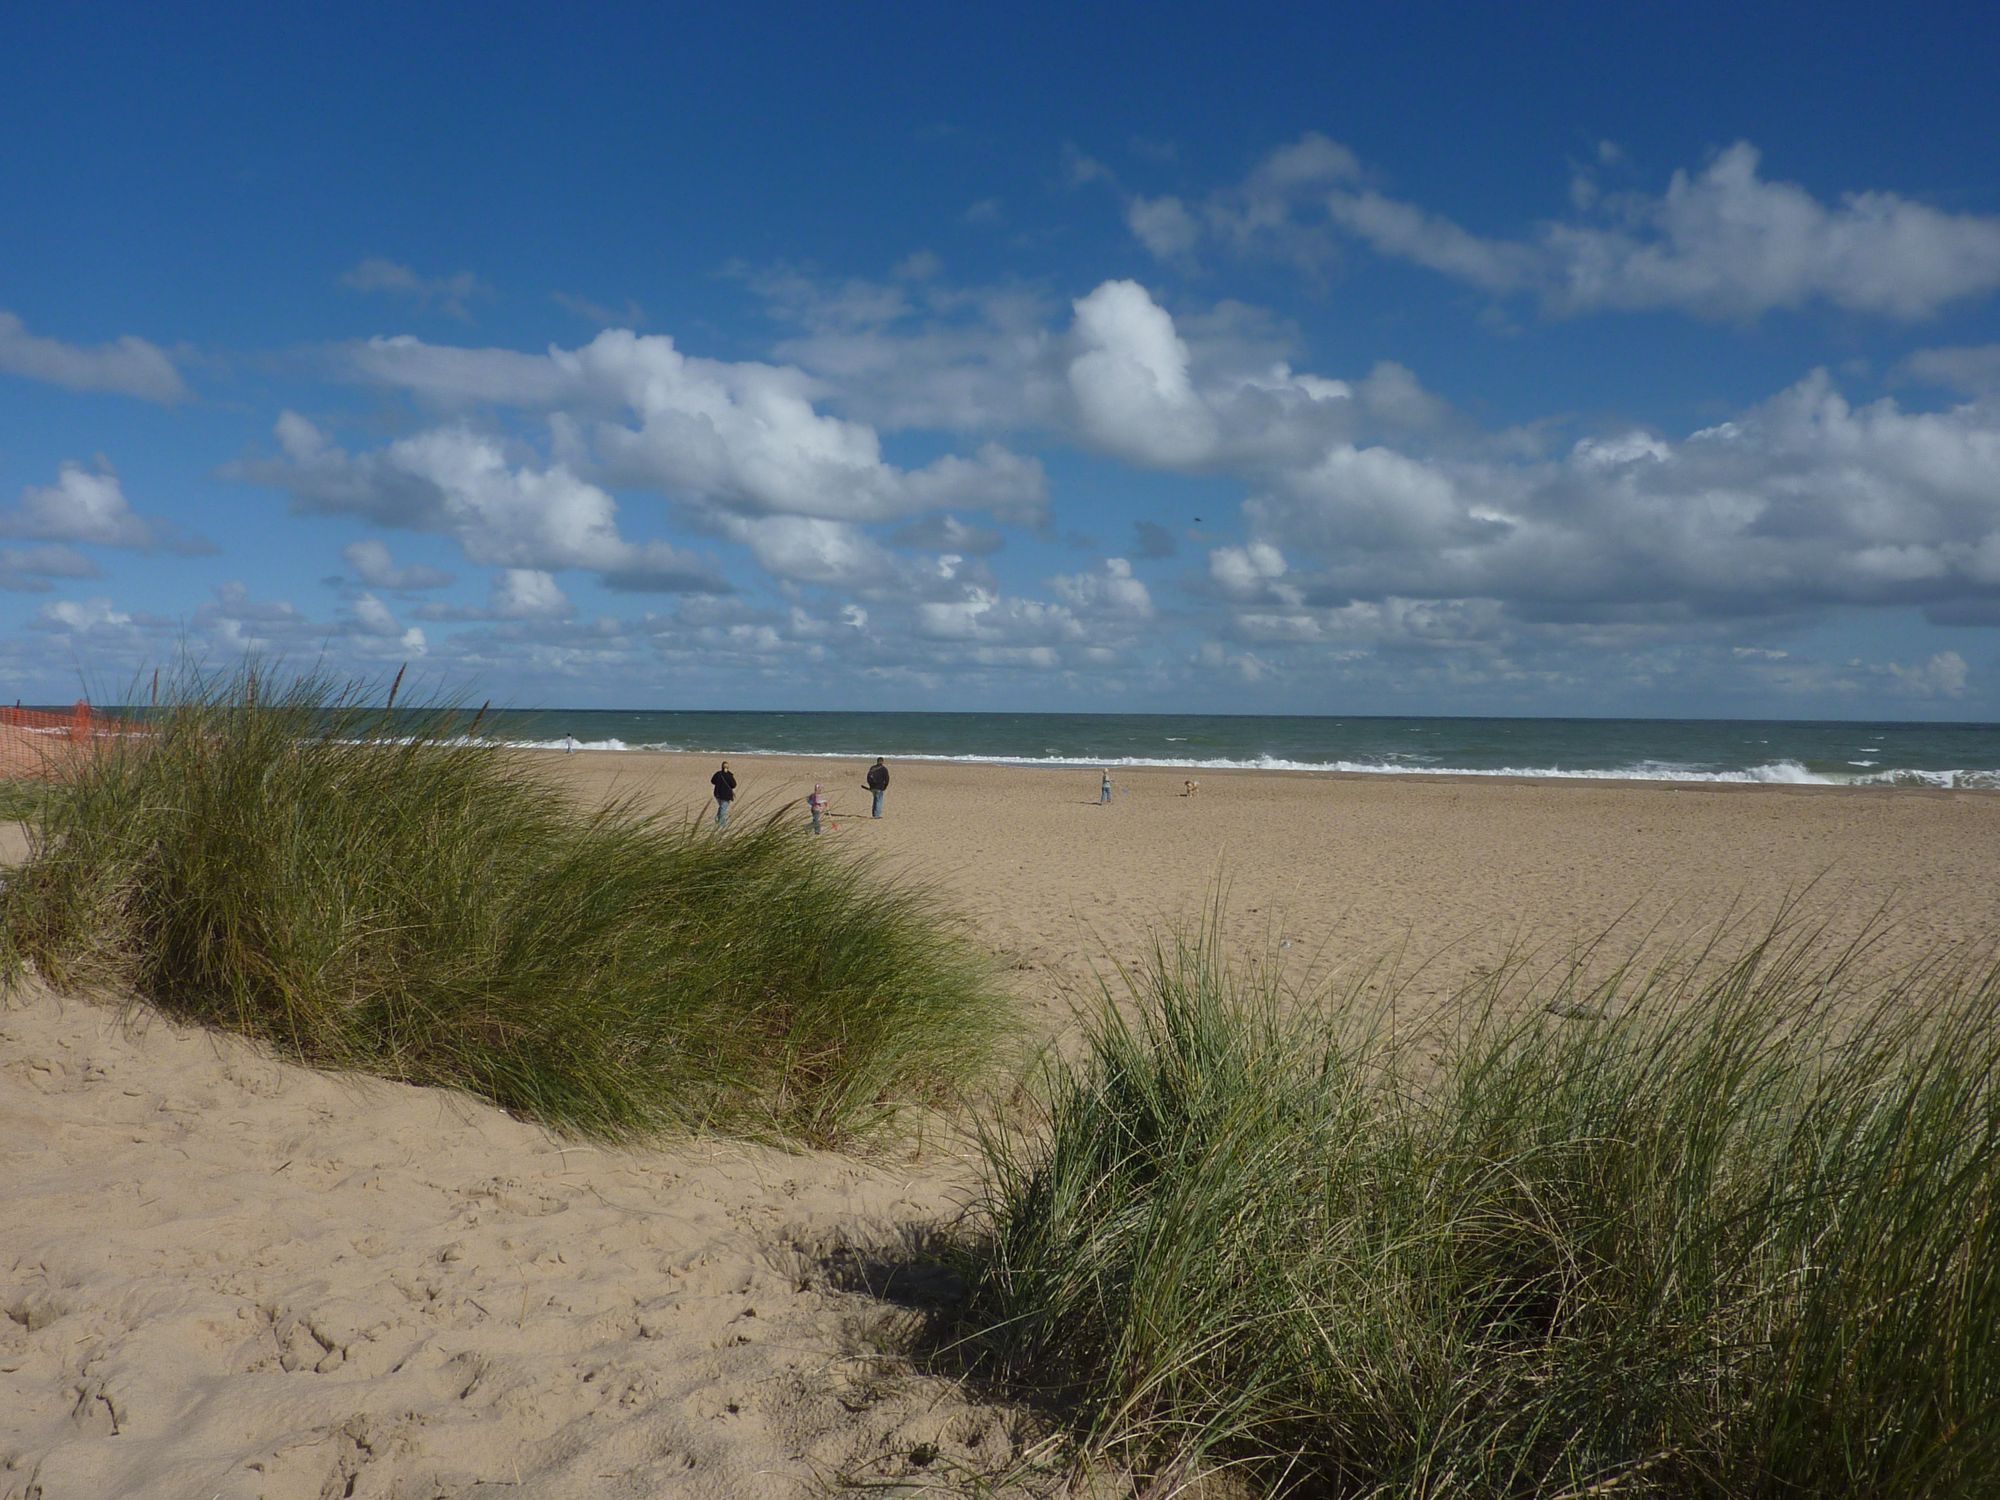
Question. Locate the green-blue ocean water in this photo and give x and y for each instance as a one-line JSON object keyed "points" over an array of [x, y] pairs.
{"points": [[1694, 750]]}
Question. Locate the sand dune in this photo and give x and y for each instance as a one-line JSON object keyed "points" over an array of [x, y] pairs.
{"points": [[225, 1276]]}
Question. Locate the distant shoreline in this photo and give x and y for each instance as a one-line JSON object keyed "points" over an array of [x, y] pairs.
{"points": [[1917, 781], [1855, 753]]}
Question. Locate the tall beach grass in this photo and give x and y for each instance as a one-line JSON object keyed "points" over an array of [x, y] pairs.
{"points": [[281, 859], [1721, 1228], [24, 799]]}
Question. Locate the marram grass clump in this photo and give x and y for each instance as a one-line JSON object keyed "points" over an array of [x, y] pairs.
{"points": [[392, 895], [1733, 1235]]}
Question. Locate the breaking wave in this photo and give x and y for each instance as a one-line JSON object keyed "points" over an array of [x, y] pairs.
{"points": [[1772, 773]]}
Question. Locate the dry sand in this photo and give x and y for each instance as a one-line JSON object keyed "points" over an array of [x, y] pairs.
{"points": [[224, 1276], [1351, 870]]}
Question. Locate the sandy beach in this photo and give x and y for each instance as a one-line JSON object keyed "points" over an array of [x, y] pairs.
{"points": [[1351, 870], [224, 1276]]}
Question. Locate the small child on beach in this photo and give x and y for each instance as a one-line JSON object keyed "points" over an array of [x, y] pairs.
{"points": [[1190, 787]]}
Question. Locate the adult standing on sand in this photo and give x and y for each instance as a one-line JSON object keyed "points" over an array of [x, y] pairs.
{"points": [[1104, 787], [878, 783], [725, 793], [816, 805]]}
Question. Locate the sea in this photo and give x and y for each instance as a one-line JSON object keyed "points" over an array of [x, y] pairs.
{"points": [[1785, 752]]}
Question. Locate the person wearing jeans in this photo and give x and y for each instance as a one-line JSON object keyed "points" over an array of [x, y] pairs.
{"points": [[878, 783]]}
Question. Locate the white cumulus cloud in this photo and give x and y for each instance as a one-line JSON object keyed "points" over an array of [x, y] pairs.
{"points": [[743, 437], [1135, 393], [1722, 242], [88, 506], [1111, 591], [465, 484], [1804, 501], [528, 594], [1130, 382], [1246, 572], [807, 549], [1943, 676], [82, 616], [1728, 242]]}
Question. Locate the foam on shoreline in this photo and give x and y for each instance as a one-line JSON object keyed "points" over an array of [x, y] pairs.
{"points": [[1774, 773]]}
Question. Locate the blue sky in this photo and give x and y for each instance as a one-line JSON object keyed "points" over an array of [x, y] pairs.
{"points": [[1562, 359]]}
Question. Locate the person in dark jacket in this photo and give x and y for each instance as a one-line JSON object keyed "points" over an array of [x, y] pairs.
{"points": [[725, 793], [878, 783]]}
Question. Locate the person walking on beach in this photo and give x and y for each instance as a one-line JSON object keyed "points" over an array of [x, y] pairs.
{"points": [[816, 805], [878, 783], [1104, 788], [725, 793], [569, 743]]}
